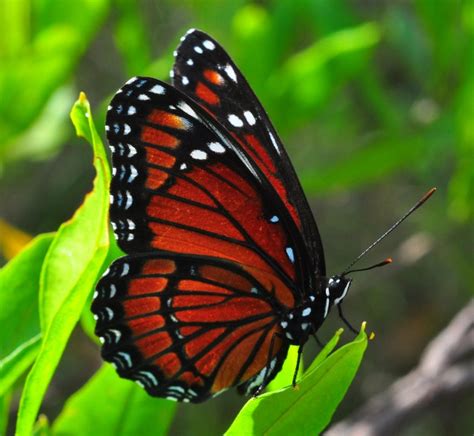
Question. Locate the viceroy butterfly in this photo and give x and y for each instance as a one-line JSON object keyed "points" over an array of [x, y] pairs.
{"points": [[225, 266]]}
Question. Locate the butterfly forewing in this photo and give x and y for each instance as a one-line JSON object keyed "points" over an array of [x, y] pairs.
{"points": [[205, 71], [180, 186]]}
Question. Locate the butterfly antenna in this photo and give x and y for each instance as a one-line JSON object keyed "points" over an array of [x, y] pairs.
{"points": [[390, 230]]}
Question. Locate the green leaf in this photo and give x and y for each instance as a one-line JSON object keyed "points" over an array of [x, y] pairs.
{"points": [[19, 289], [49, 40], [108, 405], [69, 272], [4, 409], [309, 408], [285, 376]]}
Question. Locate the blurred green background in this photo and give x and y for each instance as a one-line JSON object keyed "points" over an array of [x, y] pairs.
{"points": [[374, 101]]}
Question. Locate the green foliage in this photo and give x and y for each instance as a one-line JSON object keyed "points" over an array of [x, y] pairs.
{"points": [[107, 405], [307, 409], [19, 317], [66, 277], [35, 65]]}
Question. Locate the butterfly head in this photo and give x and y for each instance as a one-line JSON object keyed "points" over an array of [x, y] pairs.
{"points": [[336, 289]]}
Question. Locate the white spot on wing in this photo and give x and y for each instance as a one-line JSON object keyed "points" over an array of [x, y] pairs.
{"points": [[130, 80], [129, 200], [209, 45], [275, 144], [110, 313], [198, 49], [230, 72], [306, 311], [158, 89], [184, 80], [190, 62], [290, 254], [117, 334], [216, 147], [150, 376], [274, 219], [235, 120], [126, 129], [125, 270], [127, 358], [188, 109], [133, 174], [132, 151], [113, 291], [199, 155], [132, 110], [249, 117], [143, 97]]}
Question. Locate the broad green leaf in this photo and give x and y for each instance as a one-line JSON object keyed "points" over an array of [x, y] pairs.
{"points": [[19, 289], [108, 405], [309, 408], [75, 244], [69, 272]]}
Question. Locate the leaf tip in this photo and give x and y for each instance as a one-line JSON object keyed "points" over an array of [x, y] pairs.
{"points": [[82, 97], [363, 326]]}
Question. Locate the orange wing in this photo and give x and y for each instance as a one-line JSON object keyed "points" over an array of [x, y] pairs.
{"points": [[182, 184], [189, 328]]}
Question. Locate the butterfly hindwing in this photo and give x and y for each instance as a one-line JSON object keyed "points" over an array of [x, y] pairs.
{"points": [[188, 328]]}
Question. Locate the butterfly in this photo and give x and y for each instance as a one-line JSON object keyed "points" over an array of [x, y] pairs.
{"points": [[225, 267]]}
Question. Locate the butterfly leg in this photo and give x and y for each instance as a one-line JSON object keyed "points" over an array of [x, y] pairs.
{"points": [[346, 322], [318, 341], [295, 374]]}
